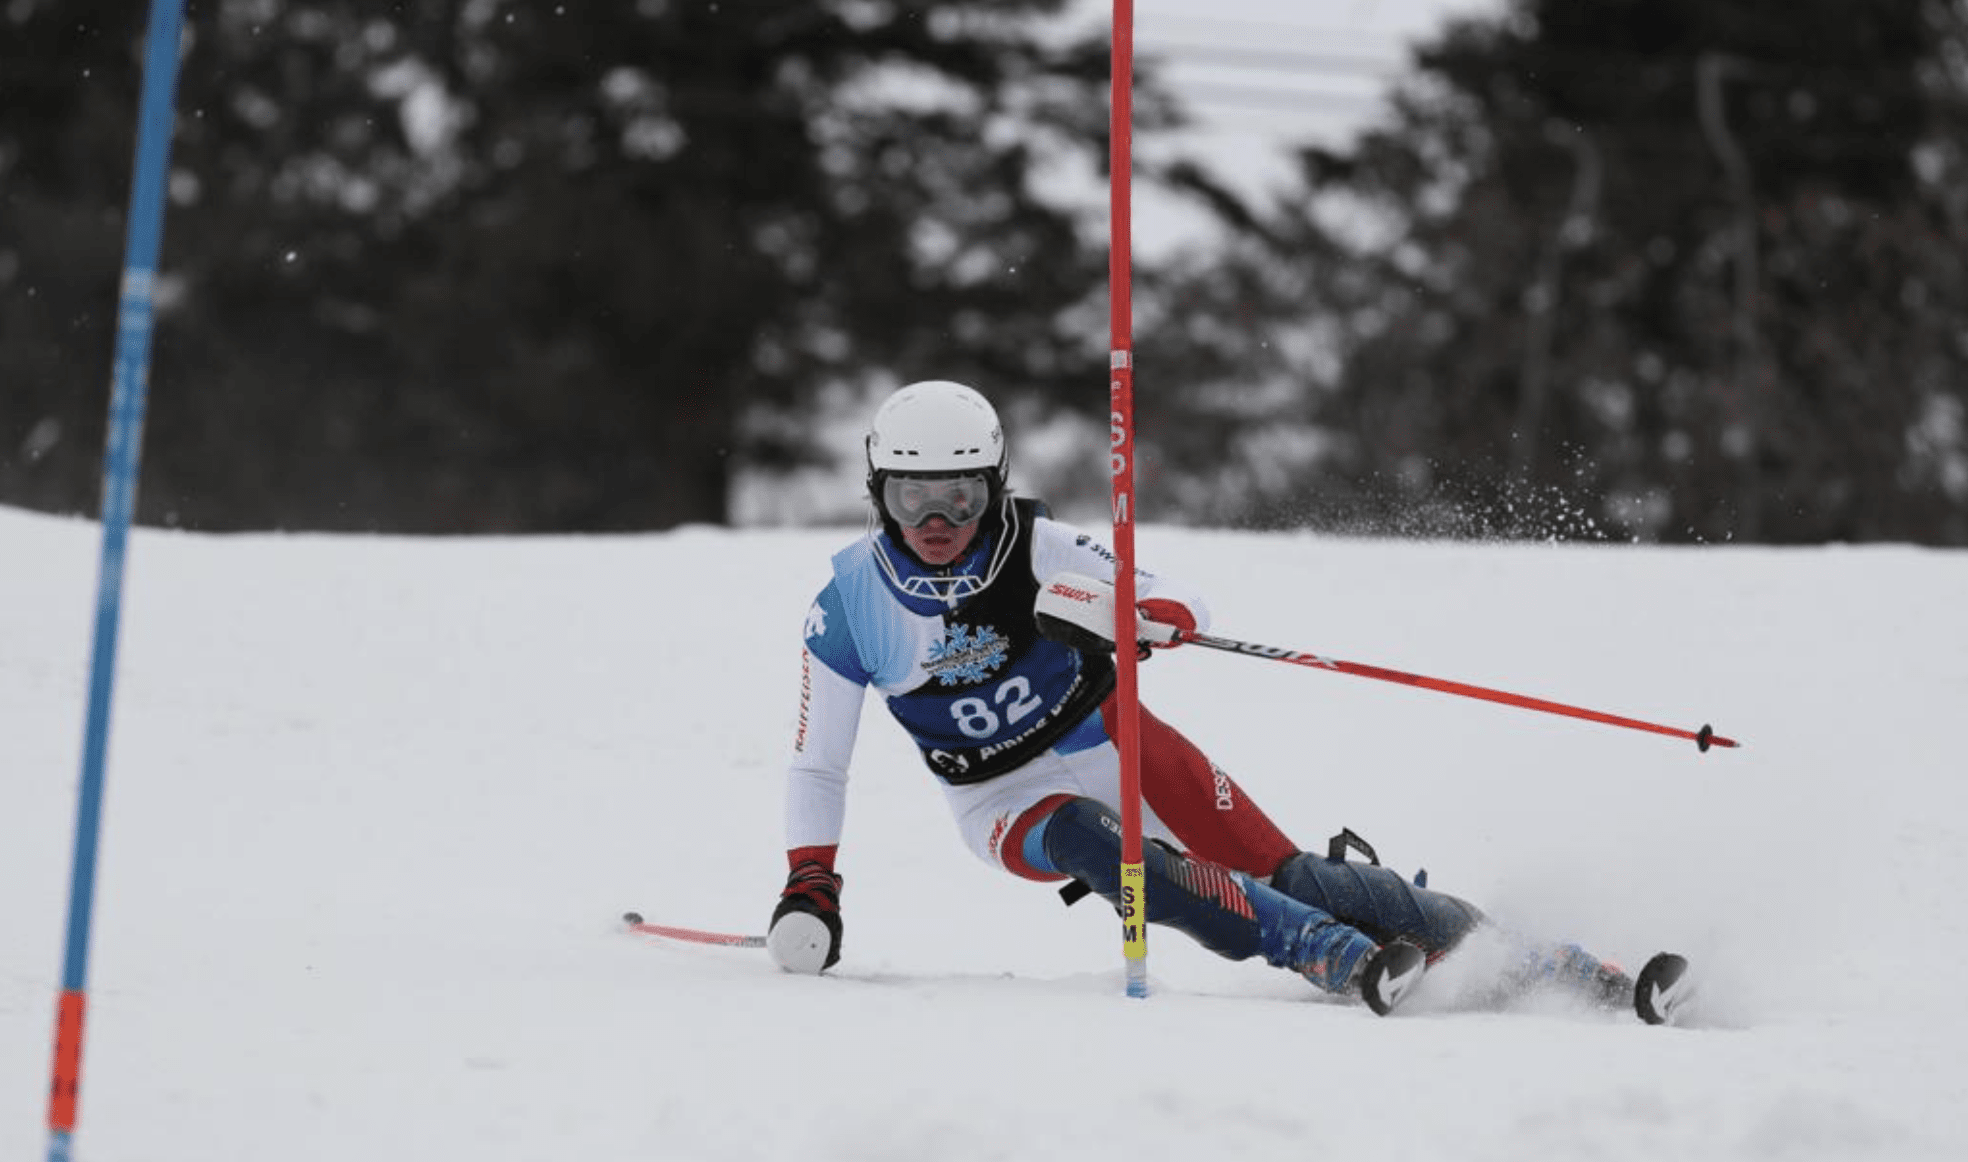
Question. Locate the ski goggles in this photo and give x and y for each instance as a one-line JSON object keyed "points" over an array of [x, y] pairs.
{"points": [[911, 500]]}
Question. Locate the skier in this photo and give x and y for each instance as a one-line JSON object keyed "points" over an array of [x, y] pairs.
{"points": [[934, 608]]}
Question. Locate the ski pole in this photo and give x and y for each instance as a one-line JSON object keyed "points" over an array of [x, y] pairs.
{"points": [[637, 924], [1703, 738]]}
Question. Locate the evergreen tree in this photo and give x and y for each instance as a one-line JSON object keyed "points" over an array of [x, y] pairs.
{"points": [[475, 264], [1691, 263]]}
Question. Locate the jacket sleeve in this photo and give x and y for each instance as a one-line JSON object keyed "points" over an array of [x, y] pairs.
{"points": [[1061, 548], [832, 687]]}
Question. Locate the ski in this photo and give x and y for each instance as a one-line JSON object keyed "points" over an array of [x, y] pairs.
{"points": [[636, 923], [1392, 972], [1663, 993], [1521, 975]]}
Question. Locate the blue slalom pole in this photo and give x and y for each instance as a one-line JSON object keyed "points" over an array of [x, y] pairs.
{"points": [[121, 461]]}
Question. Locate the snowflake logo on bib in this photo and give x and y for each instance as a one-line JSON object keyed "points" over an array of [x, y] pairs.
{"points": [[966, 655]]}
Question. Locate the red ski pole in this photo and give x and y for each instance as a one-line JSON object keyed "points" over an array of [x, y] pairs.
{"points": [[1703, 738], [637, 924]]}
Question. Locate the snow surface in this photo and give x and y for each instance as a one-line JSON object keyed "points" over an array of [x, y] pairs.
{"points": [[375, 805]]}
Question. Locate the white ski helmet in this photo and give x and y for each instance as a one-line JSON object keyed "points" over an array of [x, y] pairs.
{"points": [[935, 428]]}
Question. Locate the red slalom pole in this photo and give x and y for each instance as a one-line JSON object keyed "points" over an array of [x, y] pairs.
{"points": [[1120, 384], [1703, 738]]}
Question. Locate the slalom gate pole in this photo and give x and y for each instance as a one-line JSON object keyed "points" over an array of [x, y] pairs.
{"points": [[1134, 878], [1703, 738], [121, 463]]}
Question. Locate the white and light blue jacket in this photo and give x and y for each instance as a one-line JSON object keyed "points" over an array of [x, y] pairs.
{"points": [[957, 655]]}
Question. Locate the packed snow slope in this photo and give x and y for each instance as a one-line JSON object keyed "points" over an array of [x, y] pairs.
{"points": [[375, 807]]}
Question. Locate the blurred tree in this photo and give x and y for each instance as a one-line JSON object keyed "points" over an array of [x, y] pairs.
{"points": [[1697, 261], [1693, 266], [68, 97], [472, 264]]}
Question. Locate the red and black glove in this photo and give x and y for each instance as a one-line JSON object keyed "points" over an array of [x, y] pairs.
{"points": [[1158, 613], [805, 935]]}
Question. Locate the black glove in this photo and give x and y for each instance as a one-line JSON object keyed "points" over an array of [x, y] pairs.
{"points": [[806, 926]]}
